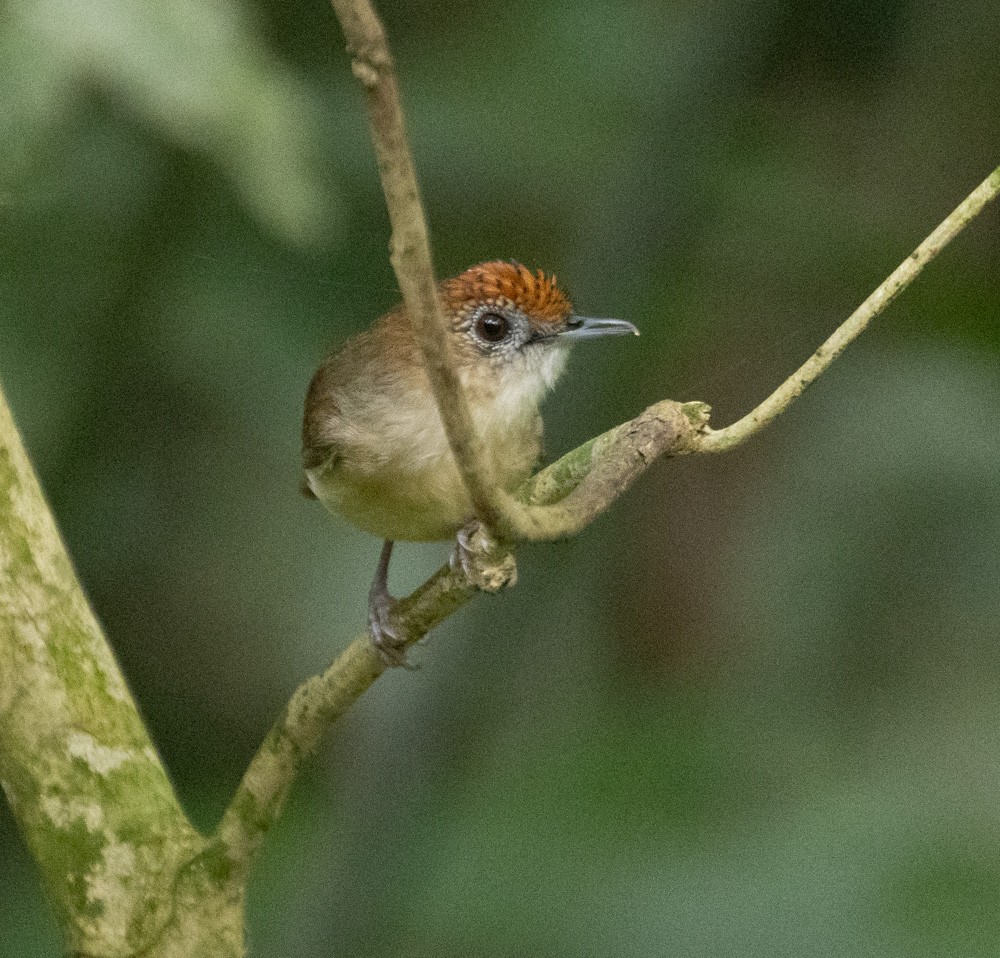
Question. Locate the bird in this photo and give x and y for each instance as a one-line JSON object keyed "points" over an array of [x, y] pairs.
{"points": [[374, 449]]}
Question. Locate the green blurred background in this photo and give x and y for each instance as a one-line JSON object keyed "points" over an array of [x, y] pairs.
{"points": [[751, 712]]}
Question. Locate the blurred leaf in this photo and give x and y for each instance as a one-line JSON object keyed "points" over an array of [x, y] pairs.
{"points": [[198, 70]]}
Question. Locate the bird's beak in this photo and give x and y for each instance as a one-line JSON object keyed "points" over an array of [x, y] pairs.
{"points": [[585, 327]]}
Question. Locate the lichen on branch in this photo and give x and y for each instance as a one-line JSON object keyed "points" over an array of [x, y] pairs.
{"points": [[126, 871], [76, 762]]}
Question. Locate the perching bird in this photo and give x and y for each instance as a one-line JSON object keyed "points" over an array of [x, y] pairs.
{"points": [[373, 446]]}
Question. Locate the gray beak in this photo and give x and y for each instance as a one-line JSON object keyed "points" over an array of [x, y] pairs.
{"points": [[585, 327]]}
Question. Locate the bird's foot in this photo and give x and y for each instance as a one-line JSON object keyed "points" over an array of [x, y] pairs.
{"points": [[464, 554], [484, 563], [389, 644]]}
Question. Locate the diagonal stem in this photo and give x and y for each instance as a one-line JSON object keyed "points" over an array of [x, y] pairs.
{"points": [[740, 431], [322, 699], [373, 66], [411, 259], [559, 501], [565, 497]]}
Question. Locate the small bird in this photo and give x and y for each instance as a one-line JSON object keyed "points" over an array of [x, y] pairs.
{"points": [[374, 449]]}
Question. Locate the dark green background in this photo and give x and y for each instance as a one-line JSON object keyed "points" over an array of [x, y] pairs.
{"points": [[755, 710]]}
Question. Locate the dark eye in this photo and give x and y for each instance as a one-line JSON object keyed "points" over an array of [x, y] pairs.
{"points": [[492, 327]]}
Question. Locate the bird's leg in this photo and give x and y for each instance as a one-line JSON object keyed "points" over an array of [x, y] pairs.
{"points": [[386, 639]]}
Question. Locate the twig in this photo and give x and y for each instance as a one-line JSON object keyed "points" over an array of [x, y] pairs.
{"points": [[904, 274], [321, 700], [411, 256]]}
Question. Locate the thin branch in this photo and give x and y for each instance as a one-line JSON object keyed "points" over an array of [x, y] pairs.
{"points": [[560, 501], [321, 700], [373, 66], [610, 462], [568, 495], [602, 475], [574, 491], [904, 274], [411, 259]]}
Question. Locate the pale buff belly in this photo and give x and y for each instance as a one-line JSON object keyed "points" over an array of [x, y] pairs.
{"points": [[414, 505], [418, 506]]}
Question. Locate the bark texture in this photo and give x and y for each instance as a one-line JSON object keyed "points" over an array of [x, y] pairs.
{"points": [[77, 765]]}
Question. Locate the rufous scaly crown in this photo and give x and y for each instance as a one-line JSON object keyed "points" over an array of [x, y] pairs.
{"points": [[538, 296]]}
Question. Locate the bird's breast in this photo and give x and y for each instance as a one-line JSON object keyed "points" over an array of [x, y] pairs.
{"points": [[400, 481]]}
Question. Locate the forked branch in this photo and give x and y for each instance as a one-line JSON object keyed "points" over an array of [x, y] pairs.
{"points": [[73, 750], [559, 501]]}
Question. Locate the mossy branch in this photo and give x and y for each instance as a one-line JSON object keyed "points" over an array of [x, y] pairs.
{"points": [[76, 762]]}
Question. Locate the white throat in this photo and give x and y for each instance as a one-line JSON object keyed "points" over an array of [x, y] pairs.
{"points": [[517, 389]]}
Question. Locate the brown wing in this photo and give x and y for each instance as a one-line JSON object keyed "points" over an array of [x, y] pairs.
{"points": [[368, 363], [323, 426], [321, 414]]}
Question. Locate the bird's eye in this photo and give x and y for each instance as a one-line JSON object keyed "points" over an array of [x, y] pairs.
{"points": [[492, 327]]}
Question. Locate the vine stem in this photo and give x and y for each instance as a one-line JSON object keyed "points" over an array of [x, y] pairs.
{"points": [[559, 501], [719, 440]]}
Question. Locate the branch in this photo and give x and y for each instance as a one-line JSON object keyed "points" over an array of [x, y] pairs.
{"points": [[76, 763], [595, 475], [560, 501], [321, 700], [904, 274], [411, 256], [411, 259], [611, 463], [373, 66]]}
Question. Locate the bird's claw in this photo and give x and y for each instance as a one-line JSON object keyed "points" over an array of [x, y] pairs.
{"points": [[482, 562], [463, 555], [389, 644]]}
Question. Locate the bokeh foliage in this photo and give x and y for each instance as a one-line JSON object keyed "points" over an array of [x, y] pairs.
{"points": [[753, 711]]}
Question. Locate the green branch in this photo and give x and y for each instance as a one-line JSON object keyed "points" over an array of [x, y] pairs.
{"points": [[904, 274], [321, 700], [126, 871], [77, 765]]}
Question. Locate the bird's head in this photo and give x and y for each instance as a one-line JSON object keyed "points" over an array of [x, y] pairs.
{"points": [[512, 329]]}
